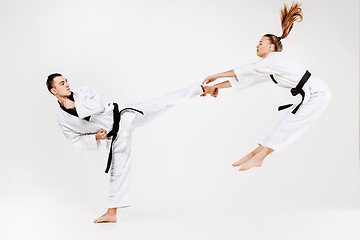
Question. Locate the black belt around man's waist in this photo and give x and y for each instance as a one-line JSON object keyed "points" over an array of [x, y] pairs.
{"points": [[297, 90], [113, 133]]}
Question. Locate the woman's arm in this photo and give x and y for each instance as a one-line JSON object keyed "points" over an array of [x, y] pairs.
{"points": [[212, 78], [225, 84]]}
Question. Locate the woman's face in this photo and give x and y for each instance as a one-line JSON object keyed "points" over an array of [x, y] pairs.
{"points": [[264, 47]]}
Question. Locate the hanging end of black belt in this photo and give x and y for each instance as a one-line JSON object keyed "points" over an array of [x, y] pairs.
{"points": [[109, 161], [110, 154], [284, 107], [108, 165]]}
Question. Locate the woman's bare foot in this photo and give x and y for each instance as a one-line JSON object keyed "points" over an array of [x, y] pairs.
{"points": [[109, 216], [257, 160], [243, 160], [247, 157]]}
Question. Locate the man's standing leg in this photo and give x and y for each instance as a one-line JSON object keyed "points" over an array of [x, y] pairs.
{"points": [[119, 185]]}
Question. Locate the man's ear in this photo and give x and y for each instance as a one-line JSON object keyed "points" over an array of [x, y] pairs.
{"points": [[53, 91]]}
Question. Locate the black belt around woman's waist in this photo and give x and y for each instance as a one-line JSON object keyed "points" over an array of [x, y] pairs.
{"points": [[113, 133], [297, 90]]}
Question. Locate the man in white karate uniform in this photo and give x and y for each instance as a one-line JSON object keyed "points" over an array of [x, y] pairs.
{"points": [[86, 119]]}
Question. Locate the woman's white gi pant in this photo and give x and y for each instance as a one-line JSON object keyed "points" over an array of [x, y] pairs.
{"points": [[291, 126], [119, 173]]}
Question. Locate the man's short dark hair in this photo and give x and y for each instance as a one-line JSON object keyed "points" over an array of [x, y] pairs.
{"points": [[50, 79]]}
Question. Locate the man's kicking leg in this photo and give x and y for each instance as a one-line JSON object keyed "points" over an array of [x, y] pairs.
{"points": [[155, 106]]}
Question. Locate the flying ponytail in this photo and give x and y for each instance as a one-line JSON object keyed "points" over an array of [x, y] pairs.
{"points": [[288, 17]]}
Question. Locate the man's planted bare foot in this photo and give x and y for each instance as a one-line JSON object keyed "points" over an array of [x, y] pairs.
{"points": [[109, 216], [212, 90]]}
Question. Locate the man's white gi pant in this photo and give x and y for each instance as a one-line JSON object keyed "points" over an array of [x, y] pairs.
{"points": [[120, 168]]}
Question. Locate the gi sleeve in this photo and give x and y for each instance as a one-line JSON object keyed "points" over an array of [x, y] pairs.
{"points": [[88, 103], [249, 75], [86, 141]]}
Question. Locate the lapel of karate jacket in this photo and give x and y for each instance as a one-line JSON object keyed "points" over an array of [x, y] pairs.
{"points": [[72, 111]]}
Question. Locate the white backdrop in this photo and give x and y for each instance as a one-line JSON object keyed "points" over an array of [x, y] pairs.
{"points": [[183, 184]]}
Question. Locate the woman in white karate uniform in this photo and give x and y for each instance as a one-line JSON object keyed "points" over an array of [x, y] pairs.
{"points": [[275, 66]]}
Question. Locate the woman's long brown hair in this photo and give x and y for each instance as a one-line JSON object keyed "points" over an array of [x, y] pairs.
{"points": [[288, 17]]}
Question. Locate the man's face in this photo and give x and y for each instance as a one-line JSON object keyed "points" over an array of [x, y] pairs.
{"points": [[61, 87]]}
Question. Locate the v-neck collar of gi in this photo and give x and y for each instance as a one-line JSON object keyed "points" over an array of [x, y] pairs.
{"points": [[72, 111]]}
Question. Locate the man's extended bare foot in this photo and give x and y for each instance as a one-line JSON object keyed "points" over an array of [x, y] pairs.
{"points": [[109, 216], [247, 157], [257, 160], [212, 90]]}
